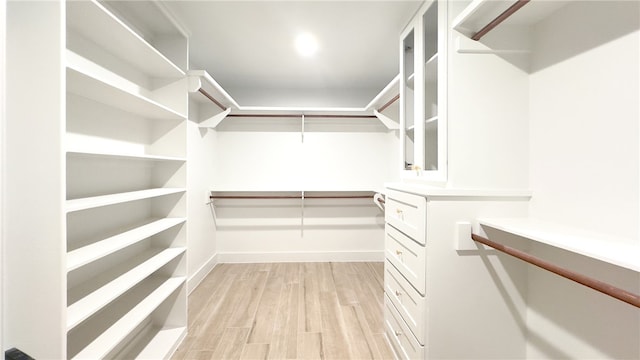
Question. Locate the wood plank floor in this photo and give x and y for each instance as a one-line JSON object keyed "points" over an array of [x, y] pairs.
{"points": [[287, 311]]}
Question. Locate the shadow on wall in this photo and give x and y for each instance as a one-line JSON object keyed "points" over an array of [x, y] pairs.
{"points": [[571, 30]]}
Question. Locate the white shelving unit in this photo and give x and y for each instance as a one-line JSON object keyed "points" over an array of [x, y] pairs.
{"points": [[620, 252], [125, 150]]}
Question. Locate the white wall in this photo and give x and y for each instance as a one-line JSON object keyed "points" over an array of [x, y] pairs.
{"points": [[201, 231], [488, 117], [268, 154], [585, 165]]}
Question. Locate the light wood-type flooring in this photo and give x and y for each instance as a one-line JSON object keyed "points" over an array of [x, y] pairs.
{"points": [[287, 311]]}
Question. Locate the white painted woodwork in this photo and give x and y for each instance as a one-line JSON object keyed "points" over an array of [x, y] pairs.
{"points": [[617, 251], [33, 184]]}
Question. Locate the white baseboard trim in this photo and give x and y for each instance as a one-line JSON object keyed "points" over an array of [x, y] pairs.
{"points": [[327, 256], [204, 270]]}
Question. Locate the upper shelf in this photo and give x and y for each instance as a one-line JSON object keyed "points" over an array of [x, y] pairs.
{"points": [[99, 25], [211, 92], [620, 252], [481, 16], [92, 81]]}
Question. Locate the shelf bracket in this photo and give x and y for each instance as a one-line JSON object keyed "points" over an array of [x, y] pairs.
{"points": [[386, 121], [212, 122], [467, 46]]}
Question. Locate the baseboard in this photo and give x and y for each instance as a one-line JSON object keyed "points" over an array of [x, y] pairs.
{"points": [[327, 256], [204, 270]]}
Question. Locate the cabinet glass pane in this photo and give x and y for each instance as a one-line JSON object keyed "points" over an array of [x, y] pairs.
{"points": [[408, 100], [430, 21]]}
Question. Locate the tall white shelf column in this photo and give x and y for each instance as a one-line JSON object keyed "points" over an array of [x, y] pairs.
{"points": [[99, 268]]}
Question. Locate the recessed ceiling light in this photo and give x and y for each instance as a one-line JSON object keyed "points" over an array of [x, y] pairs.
{"points": [[306, 44]]}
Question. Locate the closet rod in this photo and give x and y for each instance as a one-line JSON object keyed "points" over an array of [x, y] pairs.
{"points": [[394, 99], [213, 197], [500, 18], [306, 116], [603, 287], [208, 96]]}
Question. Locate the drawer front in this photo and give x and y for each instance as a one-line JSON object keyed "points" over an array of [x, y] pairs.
{"points": [[407, 256], [409, 303], [407, 213], [400, 337]]}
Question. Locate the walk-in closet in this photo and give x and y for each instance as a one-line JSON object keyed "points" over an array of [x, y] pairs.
{"points": [[353, 179]]}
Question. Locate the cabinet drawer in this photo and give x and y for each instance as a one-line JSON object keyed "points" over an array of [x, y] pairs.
{"points": [[400, 337], [407, 213], [407, 256], [410, 304]]}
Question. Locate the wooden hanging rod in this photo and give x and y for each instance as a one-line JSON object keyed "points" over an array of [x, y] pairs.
{"points": [[499, 19], [213, 197], [394, 99], [603, 287], [328, 116], [208, 96]]}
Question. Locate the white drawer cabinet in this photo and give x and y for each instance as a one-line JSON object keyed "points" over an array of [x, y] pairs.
{"points": [[405, 344], [407, 256], [406, 213], [410, 304], [405, 273]]}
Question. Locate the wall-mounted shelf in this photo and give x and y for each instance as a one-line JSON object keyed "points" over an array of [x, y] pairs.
{"points": [[104, 344], [296, 198], [90, 80], [624, 253], [482, 16], [115, 284], [124, 156], [97, 250], [100, 26], [112, 199], [217, 105]]}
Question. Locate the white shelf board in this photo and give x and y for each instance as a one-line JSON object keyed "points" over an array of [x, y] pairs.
{"points": [[99, 25], [125, 156], [106, 342], [481, 12], [104, 200], [613, 250], [158, 343], [200, 79], [90, 80], [385, 95], [147, 264], [99, 249]]}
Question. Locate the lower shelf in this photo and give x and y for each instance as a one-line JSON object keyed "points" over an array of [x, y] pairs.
{"points": [[103, 345], [155, 343]]}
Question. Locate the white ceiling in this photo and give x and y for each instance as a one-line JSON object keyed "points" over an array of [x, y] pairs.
{"points": [[248, 47]]}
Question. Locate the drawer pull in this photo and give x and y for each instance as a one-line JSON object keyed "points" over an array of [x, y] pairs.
{"points": [[398, 293], [398, 333], [398, 252]]}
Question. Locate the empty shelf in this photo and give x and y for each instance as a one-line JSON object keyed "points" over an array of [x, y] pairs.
{"points": [[99, 298], [99, 25], [90, 80], [620, 252], [104, 200], [116, 333], [99, 249], [115, 155]]}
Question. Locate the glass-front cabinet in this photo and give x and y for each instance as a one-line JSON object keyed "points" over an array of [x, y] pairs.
{"points": [[423, 94]]}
